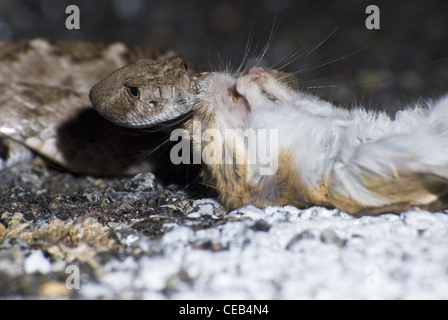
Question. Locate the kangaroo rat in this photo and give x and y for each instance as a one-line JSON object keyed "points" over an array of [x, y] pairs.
{"points": [[361, 162]]}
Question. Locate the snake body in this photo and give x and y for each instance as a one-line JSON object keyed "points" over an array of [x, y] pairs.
{"points": [[44, 106]]}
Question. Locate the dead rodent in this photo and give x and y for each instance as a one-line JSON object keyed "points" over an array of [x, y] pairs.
{"points": [[263, 143]]}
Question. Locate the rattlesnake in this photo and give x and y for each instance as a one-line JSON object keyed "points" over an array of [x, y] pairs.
{"points": [[44, 106]]}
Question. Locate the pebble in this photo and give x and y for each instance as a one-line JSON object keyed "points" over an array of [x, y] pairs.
{"points": [[329, 236], [36, 262], [304, 235]]}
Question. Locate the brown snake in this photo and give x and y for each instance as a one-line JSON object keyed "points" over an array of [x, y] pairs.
{"points": [[44, 106]]}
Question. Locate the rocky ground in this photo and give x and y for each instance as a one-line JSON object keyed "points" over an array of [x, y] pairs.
{"points": [[80, 237], [52, 219]]}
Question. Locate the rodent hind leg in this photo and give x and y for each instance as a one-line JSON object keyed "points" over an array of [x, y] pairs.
{"points": [[389, 176]]}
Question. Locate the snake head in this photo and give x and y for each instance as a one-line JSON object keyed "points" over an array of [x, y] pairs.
{"points": [[145, 92]]}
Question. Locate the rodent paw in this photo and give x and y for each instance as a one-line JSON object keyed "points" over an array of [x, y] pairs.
{"points": [[258, 75], [253, 81], [245, 85]]}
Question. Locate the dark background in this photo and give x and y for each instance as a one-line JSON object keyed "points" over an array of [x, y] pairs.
{"points": [[405, 60]]}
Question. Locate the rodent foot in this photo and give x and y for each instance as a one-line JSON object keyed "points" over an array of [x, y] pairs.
{"points": [[246, 85], [253, 81], [258, 75]]}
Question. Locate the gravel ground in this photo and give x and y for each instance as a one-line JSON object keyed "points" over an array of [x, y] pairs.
{"points": [[129, 238], [286, 253], [81, 237]]}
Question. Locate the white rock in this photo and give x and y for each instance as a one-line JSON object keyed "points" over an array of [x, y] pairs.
{"points": [[36, 262]]}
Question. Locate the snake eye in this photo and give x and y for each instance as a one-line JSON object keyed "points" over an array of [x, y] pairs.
{"points": [[186, 67], [134, 92]]}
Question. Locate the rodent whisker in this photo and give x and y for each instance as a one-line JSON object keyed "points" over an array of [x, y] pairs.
{"points": [[271, 37], [328, 62], [298, 52], [246, 53]]}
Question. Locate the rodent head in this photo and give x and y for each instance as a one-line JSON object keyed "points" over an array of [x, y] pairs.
{"points": [[145, 92], [220, 102]]}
